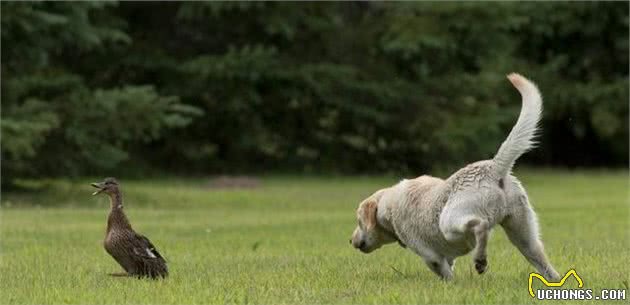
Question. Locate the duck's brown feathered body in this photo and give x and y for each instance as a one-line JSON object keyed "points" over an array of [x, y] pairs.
{"points": [[134, 252]]}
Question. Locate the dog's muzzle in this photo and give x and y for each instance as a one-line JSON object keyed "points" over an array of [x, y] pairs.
{"points": [[359, 245]]}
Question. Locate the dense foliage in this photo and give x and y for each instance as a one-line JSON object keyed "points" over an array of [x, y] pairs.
{"points": [[344, 87]]}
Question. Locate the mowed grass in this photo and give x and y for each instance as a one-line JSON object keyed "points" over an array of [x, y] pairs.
{"points": [[286, 242]]}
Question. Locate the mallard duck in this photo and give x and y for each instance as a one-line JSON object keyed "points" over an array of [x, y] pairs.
{"points": [[134, 252]]}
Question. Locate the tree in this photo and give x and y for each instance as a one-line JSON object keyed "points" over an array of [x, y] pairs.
{"points": [[331, 87], [54, 121]]}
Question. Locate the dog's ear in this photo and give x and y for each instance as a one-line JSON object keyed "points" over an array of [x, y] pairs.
{"points": [[367, 212]]}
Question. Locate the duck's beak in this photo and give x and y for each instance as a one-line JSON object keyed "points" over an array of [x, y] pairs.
{"points": [[99, 187]]}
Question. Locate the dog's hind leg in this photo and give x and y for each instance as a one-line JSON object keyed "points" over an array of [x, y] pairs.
{"points": [[481, 230], [521, 228], [474, 232]]}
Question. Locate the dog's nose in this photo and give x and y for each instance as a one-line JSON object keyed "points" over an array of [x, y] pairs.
{"points": [[361, 244]]}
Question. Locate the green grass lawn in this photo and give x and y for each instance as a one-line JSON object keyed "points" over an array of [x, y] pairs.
{"points": [[286, 242]]}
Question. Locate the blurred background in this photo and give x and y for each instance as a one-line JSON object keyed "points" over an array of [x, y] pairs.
{"points": [[103, 88]]}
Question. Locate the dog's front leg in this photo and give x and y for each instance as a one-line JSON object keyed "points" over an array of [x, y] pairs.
{"points": [[440, 266], [451, 263]]}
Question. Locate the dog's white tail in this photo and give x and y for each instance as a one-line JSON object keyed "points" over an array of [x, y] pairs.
{"points": [[521, 138]]}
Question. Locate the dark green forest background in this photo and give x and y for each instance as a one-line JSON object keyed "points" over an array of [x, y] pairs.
{"points": [[356, 87]]}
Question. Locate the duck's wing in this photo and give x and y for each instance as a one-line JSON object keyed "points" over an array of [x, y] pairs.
{"points": [[144, 248]]}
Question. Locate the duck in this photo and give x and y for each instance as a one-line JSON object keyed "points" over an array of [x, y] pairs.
{"points": [[134, 252]]}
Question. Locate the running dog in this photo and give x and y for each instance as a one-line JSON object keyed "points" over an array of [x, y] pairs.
{"points": [[441, 220]]}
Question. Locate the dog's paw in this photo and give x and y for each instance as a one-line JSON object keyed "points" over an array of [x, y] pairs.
{"points": [[481, 264]]}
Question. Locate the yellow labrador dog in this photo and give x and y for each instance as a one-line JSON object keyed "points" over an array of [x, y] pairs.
{"points": [[441, 220]]}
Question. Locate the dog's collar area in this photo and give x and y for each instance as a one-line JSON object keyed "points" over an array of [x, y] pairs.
{"points": [[398, 240], [393, 235], [393, 232]]}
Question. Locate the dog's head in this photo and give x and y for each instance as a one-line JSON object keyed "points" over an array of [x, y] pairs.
{"points": [[369, 234]]}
